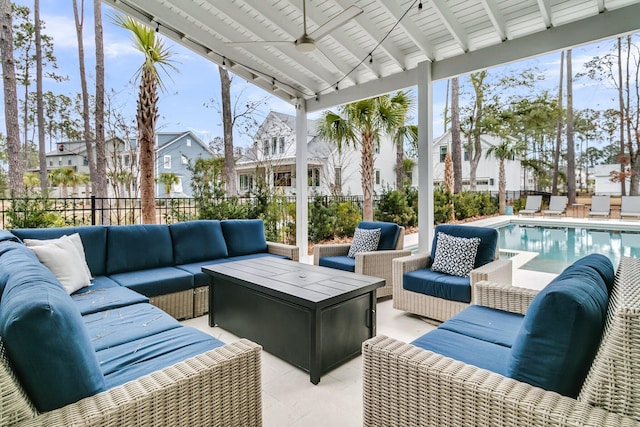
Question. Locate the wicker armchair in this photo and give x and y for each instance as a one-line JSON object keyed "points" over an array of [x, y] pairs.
{"points": [[221, 387], [408, 386], [435, 307], [376, 264]]}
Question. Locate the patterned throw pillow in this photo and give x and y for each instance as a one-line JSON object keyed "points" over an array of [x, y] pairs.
{"points": [[455, 255], [364, 241]]}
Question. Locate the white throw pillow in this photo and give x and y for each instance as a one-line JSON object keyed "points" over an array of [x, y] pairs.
{"points": [[455, 255], [364, 240], [65, 258]]}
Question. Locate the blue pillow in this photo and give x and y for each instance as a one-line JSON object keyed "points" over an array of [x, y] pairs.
{"points": [[389, 233], [244, 236], [195, 241], [488, 240]]}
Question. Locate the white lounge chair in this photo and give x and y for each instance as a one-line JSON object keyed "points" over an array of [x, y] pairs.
{"points": [[557, 206], [600, 206], [533, 205], [630, 207]]}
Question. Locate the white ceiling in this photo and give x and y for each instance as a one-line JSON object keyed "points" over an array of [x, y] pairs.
{"points": [[456, 36]]}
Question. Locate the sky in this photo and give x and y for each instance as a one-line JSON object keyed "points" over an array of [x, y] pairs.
{"points": [[182, 106]]}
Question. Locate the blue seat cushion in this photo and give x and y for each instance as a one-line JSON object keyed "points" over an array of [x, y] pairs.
{"points": [[195, 241], [94, 242], [488, 240], [340, 262], [561, 332], [155, 281], [388, 233], [44, 336], [110, 328], [201, 279], [104, 294], [439, 285], [244, 236], [602, 265], [138, 247], [472, 351], [486, 324], [134, 359]]}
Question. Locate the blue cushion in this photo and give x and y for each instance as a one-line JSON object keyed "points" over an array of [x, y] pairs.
{"points": [[244, 236], [94, 242], [138, 247], [12, 254], [439, 285], [388, 233], [488, 240], [134, 359], [155, 281], [7, 236], [561, 332], [340, 262], [104, 294], [45, 338], [472, 351], [602, 265], [117, 326], [195, 241], [486, 324]]}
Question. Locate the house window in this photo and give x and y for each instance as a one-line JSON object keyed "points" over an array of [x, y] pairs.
{"points": [[443, 153], [59, 162], [188, 142], [125, 159], [246, 182], [338, 176], [274, 145], [69, 162], [265, 147], [50, 162], [377, 176], [85, 161], [167, 162], [313, 177], [282, 179], [281, 142], [184, 160], [466, 155]]}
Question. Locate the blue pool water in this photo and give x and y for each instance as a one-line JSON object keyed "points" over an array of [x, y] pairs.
{"points": [[560, 247]]}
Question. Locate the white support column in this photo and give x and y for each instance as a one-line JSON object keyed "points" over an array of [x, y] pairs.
{"points": [[425, 157], [302, 198]]}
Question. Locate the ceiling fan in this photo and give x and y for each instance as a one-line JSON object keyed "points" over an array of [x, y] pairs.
{"points": [[307, 42]]}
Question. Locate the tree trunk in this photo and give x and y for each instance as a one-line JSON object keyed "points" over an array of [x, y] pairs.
{"points": [[39, 104], [556, 153], [623, 188], [366, 167], [633, 184], [456, 140], [147, 115], [100, 182], [571, 153], [502, 188], [79, 21], [399, 162], [229, 160], [10, 99]]}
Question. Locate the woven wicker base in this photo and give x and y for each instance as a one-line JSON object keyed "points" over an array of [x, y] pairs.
{"points": [[201, 301], [178, 304]]}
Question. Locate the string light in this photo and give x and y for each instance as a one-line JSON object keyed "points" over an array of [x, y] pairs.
{"points": [[157, 27], [224, 63], [371, 58], [420, 6], [337, 86]]}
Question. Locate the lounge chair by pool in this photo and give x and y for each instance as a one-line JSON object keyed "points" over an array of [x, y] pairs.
{"points": [[600, 206], [533, 205], [630, 207], [557, 206]]}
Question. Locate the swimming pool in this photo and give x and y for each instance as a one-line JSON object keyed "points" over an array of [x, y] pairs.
{"points": [[558, 247]]}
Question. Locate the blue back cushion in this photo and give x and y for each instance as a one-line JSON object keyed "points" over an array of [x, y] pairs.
{"points": [[602, 265], [244, 236], [195, 241], [94, 242], [45, 338], [561, 332], [138, 247], [488, 240], [388, 233]]}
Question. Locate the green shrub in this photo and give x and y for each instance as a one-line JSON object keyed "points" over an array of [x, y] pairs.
{"points": [[348, 215], [393, 207], [33, 210], [321, 219]]}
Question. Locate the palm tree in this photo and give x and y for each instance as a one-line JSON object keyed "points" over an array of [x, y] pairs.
{"points": [[168, 179], [30, 180], [156, 54], [404, 102], [361, 124], [62, 177], [507, 149]]}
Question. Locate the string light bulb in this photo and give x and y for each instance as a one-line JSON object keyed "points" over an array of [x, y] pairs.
{"points": [[420, 6], [371, 58], [157, 27], [224, 63], [337, 86]]}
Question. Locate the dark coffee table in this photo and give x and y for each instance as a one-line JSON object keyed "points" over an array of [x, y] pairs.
{"points": [[315, 318]]}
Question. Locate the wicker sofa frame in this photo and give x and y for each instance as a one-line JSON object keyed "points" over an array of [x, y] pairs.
{"points": [[408, 386], [376, 264]]}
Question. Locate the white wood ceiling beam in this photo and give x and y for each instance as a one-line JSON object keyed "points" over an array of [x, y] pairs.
{"points": [[496, 18], [451, 23], [409, 27], [545, 11]]}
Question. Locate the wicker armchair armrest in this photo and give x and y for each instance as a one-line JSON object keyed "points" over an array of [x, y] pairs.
{"points": [[404, 385], [378, 263], [221, 387], [333, 249], [503, 296], [412, 263], [290, 251]]}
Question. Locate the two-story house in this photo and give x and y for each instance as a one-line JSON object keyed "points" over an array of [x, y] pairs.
{"points": [[272, 157]]}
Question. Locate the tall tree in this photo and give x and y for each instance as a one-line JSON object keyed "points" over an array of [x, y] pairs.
{"points": [[361, 124], [39, 103], [156, 56], [456, 140], [404, 102], [623, 187], [10, 98], [508, 149], [556, 153], [227, 124], [100, 180], [571, 149]]}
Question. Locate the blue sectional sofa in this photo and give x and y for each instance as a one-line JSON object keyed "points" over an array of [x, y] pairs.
{"points": [[163, 262]]}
